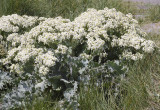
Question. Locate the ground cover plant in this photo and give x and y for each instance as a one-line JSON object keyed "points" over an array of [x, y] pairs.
{"points": [[55, 55]]}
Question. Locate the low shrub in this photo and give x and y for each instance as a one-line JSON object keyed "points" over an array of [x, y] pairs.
{"points": [[55, 54]]}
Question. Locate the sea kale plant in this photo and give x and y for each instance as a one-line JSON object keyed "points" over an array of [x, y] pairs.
{"points": [[55, 55]]}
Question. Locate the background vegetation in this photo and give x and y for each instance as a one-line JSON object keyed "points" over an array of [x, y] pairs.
{"points": [[53, 8], [154, 13]]}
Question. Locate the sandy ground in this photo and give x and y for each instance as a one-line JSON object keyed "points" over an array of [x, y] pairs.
{"points": [[154, 2], [151, 27]]}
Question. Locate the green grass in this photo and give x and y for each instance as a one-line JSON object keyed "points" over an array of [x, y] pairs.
{"points": [[65, 8], [136, 91], [43, 103], [154, 13], [140, 82]]}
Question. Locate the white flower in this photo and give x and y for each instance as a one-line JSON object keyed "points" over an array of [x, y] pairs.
{"points": [[61, 49], [48, 59], [47, 38], [95, 43], [16, 68], [43, 70], [8, 23], [148, 46], [130, 56], [85, 56]]}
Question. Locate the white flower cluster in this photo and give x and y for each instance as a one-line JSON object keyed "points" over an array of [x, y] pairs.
{"points": [[92, 33], [148, 46], [95, 43], [85, 56], [129, 55], [14, 38], [42, 60], [61, 49], [16, 68], [47, 38], [11, 23], [134, 40]]}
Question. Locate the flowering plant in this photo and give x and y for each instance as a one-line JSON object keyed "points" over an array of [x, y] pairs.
{"points": [[58, 54]]}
